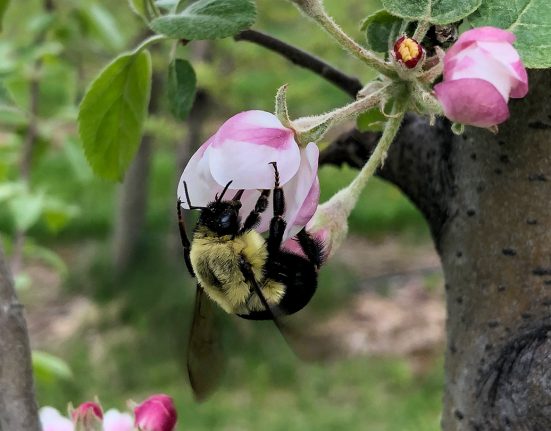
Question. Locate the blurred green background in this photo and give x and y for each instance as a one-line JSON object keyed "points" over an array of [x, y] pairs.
{"points": [[123, 331]]}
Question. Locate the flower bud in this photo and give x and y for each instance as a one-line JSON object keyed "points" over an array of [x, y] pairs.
{"points": [[482, 71], [408, 52], [157, 413], [88, 417]]}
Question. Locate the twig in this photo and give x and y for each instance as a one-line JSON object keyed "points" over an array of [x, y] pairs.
{"points": [[348, 84], [18, 409]]}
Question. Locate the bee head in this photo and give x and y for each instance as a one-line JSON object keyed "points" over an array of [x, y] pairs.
{"points": [[221, 217]]}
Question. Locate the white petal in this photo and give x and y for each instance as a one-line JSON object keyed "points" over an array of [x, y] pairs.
{"points": [[201, 186], [52, 420], [113, 420]]}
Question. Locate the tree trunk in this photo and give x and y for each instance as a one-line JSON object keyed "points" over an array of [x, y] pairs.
{"points": [[132, 197], [496, 253], [18, 410], [487, 199]]}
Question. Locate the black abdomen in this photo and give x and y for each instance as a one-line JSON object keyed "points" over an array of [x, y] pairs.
{"points": [[300, 279]]}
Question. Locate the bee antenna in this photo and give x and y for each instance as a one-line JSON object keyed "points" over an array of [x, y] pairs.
{"points": [[218, 199], [238, 195], [191, 207]]}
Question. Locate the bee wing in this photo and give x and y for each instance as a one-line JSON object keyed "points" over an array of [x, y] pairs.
{"points": [[302, 345], [205, 358]]}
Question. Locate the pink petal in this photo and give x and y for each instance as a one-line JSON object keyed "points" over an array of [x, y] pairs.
{"points": [[474, 62], [113, 420], [506, 54], [244, 147], [520, 88], [300, 194], [472, 101], [51, 420], [480, 34], [157, 413]]}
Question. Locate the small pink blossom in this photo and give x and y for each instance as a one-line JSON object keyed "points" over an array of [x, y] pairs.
{"points": [[113, 420], [481, 71], [408, 51], [241, 151], [87, 413], [157, 413], [52, 420]]}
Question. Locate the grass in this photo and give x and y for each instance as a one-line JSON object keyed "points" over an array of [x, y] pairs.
{"points": [[138, 348]]}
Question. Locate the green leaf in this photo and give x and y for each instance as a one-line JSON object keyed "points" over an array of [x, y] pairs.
{"points": [[57, 214], [57, 88], [101, 24], [26, 210], [434, 11], [3, 7], [371, 121], [146, 9], [112, 114], [381, 30], [207, 19], [12, 116], [48, 368], [181, 88], [530, 20]]}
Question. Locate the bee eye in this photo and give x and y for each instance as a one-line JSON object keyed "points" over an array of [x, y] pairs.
{"points": [[225, 219]]}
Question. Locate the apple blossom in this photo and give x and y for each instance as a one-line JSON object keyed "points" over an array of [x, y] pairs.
{"points": [[157, 413], [241, 152], [113, 420], [408, 51], [481, 71], [88, 416], [52, 420]]}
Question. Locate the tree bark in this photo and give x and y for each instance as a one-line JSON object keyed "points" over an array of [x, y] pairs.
{"points": [[18, 409], [487, 199], [496, 253]]}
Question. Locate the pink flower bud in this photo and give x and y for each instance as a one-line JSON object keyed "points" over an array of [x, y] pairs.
{"points": [[481, 71], [88, 416], [408, 51], [157, 413], [241, 151]]}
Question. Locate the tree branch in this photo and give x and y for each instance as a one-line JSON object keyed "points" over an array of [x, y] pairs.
{"points": [[348, 84], [18, 409]]}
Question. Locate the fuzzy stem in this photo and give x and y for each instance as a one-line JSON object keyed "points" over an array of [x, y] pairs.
{"points": [[359, 106], [421, 31], [315, 10], [348, 196]]}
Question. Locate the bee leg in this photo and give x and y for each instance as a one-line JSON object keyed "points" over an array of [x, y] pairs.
{"points": [[254, 217], [277, 224], [312, 248], [183, 236]]}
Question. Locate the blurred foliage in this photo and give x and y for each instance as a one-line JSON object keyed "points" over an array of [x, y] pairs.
{"points": [[138, 345]]}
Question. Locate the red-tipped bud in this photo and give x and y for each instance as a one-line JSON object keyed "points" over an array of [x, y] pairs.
{"points": [[157, 413], [87, 416], [408, 51]]}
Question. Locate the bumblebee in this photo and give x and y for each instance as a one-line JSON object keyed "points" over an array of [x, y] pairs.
{"points": [[242, 272]]}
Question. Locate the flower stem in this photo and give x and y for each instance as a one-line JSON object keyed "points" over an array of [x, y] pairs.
{"points": [[149, 41], [315, 10], [421, 30], [349, 196]]}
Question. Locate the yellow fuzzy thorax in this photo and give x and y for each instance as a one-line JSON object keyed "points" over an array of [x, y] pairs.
{"points": [[215, 260], [408, 49]]}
